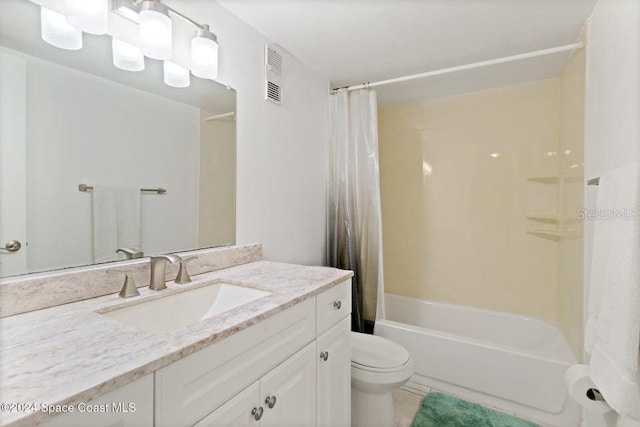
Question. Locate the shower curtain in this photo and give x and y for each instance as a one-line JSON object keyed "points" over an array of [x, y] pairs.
{"points": [[354, 224]]}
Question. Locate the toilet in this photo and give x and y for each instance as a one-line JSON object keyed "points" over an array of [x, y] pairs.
{"points": [[378, 366]]}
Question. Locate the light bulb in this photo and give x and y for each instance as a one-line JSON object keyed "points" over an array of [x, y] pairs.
{"points": [[155, 30], [90, 16], [176, 75], [127, 56], [204, 54], [55, 30]]}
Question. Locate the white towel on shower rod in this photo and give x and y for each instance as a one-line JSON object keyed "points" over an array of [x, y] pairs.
{"points": [[116, 221], [613, 319]]}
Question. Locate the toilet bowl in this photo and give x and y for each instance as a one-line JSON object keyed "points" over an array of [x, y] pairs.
{"points": [[378, 366]]}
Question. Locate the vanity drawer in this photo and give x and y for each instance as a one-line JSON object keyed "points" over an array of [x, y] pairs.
{"points": [[194, 386], [333, 305]]}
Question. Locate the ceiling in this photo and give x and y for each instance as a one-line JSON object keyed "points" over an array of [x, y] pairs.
{"points": [[355, 41]]}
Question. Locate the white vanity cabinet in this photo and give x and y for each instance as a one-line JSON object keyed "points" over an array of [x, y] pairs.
{"points": [[289, 370], [127, 406], [293, 369], [334, 376], [191, 388], [283, 397], [288, 393]]}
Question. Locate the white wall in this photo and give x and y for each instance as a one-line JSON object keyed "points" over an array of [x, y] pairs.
{"points": [[612, 111], [69, 142], [280, 148]]}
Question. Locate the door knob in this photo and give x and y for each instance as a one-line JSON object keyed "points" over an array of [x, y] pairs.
{"points": [[12, 246]]}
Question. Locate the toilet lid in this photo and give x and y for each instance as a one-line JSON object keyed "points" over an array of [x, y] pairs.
{"points": [[376, 352]]}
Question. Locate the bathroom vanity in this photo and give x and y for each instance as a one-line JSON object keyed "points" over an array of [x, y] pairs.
{"points": [[282, 358]]}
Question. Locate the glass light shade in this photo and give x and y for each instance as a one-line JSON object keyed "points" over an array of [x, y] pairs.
{"points": [[127, 56], [55, 30], [176, 75], [155, 30], [90, 16], [204, 54]]}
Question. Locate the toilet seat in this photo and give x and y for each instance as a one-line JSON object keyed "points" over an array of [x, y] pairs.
{"points": [[376, 354]]}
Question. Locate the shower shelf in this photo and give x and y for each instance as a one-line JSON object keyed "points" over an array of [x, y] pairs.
{"points": [[544, 217], [547, 211], [546, 234], [554, 179], [552, 217], [554, 235]]}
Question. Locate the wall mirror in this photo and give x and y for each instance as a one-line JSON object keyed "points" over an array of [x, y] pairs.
{"points": [[98, 164]]}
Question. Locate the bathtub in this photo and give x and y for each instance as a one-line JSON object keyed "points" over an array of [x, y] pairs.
{"points": [[510, 362]]}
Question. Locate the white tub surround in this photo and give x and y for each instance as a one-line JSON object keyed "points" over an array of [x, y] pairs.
{"points": [[29, 292], [514, 363], [71, 353]]}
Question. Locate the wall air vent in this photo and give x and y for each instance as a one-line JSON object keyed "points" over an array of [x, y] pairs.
{"points": [[273, 74]]}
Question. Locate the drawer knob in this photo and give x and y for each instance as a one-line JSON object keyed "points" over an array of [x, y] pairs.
{"points": [[270, 401], [324, 355], [337, 305], [257, 413]]}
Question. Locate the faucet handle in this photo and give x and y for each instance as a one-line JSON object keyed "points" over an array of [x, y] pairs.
{"points": [[129, 288], [130, 253], [183, 274]]}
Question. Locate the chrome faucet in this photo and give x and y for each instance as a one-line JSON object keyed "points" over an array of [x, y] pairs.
{"points": [[158, 268]]}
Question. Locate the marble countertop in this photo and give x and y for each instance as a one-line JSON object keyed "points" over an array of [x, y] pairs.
{"points": [[70, 353]]}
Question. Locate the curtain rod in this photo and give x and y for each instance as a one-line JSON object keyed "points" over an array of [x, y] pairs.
{"points": [[495, 61]]}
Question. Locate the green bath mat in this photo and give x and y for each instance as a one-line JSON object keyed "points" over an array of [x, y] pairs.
{"points": [[442, 410]]}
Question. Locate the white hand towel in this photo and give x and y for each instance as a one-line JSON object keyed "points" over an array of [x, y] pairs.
{"points": [[105, 224], [613, 319], [129, 217], [116, 221]]}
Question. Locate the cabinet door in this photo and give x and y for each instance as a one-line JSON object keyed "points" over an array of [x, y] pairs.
{"points": [[334, 375], [237, 412], [291, 389], [190, 388], [127, 406]]}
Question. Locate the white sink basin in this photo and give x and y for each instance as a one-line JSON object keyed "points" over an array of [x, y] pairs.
{"points": [[174, 312]]}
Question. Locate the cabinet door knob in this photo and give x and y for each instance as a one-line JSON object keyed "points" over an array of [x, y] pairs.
{"points": [[270, 401], [324, 355], [337, 305], [257, 413]]}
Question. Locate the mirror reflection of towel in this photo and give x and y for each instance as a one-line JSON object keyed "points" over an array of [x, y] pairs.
{"points": [[116, 221]]}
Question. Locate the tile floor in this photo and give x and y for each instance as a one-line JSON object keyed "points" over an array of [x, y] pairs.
{"points": [[406, 405], [406, 401]]}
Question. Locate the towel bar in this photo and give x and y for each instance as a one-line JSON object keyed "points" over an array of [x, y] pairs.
{"points": [[87, 188]]}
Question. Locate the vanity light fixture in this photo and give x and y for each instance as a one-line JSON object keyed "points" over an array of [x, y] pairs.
{"points": [[55, 30], [155, 30], [204, 53], [127, 56], [155, 36], [176, 75], [90, 16]]}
